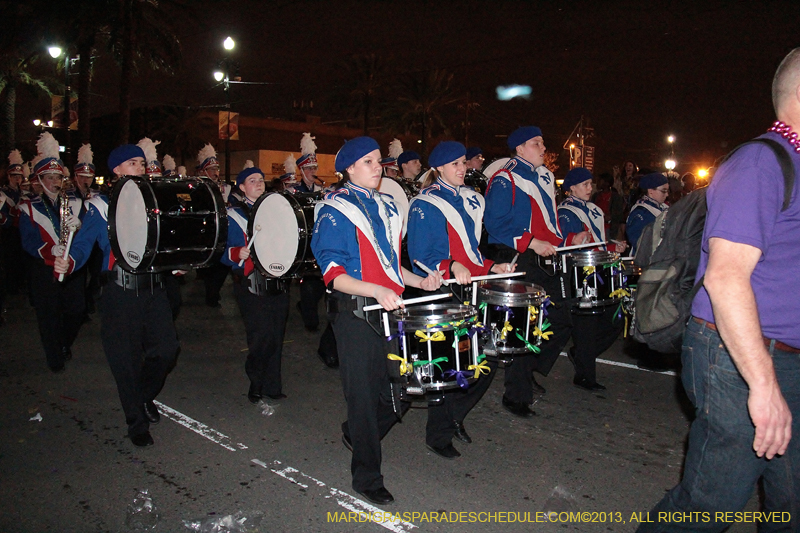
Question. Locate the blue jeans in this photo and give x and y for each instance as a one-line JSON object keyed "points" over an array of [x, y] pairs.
{"points": [[721, 468]]}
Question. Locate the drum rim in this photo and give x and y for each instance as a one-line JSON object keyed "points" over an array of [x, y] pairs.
{"points": [[443, 321], [591, 258], [505, 298]]}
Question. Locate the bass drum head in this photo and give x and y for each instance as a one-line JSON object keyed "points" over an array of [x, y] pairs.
{"points": [[278, 240], [393, 189], [494, 166], [130, 224]]}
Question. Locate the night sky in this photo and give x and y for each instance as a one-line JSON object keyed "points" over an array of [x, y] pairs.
{"points": [[638, 71]]}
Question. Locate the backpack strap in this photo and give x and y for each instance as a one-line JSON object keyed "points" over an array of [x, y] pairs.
{"points": [[785, 162]]}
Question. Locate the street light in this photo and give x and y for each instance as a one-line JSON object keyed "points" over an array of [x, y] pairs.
{"points": [[54, 51], [228, 43], [224, 76], [671, 139], [703, 173], [219, 75], [670, 164]]}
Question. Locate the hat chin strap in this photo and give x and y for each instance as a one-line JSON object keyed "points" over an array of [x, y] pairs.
{"points": [[50, 194]]}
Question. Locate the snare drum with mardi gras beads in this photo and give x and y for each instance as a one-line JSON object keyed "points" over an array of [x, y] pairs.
{"points": [[438, 347], [512, 312], [595, 278]]}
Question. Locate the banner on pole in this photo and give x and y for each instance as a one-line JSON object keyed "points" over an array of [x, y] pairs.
{"points": [[229, 125]]}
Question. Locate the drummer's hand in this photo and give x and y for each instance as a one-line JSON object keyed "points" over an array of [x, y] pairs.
{"points": [[61, 265], [431, 282], [503, 268], [244, 253], [461, 273], [542, 248], [620, 247], [582, 238], [388, 299]]}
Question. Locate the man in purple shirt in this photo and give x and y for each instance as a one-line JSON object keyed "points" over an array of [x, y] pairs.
{"points": [[741, 349]]}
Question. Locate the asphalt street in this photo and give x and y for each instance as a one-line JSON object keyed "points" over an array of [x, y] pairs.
{"points": [[66, 464]]}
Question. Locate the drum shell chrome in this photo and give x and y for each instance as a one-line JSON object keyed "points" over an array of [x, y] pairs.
{"points": [[593, 277], [515, 304], [177, 223], [458, 352]]}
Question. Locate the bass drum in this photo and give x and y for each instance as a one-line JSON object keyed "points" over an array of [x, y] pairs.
{"points": [[163, 224], [285, 223]]}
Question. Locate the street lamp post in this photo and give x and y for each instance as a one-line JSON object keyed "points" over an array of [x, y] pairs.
{"points": [[55, 52], [225, 78]]}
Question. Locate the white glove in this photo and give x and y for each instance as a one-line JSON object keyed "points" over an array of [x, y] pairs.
{"points": [[58, 250], [72, 222]]}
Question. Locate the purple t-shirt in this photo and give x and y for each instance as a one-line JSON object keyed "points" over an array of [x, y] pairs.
{"points": [[744, 206]]}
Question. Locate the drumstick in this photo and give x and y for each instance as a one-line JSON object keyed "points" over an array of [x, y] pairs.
{"points": [[576, 246], [488, 276], [419, 300], [252, 239], [66, 251], [513, 262], [422, 267]]}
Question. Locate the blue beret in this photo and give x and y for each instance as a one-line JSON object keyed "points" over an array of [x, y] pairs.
{"points": [[522, 135], [123, 153], [473, 151], [575, 176], [246, 173], [353, 150], [652, 181], [407, 156], [446, 152]]}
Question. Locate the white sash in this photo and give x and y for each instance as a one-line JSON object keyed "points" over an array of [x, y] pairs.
{"points": [[650, 207], [100, 205], [455, 220], [358, 218], [239, 219], [584, 218], [531, 190]]}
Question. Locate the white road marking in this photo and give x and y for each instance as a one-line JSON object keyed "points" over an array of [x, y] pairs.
{"points": [[343, 499], [628, 365]]}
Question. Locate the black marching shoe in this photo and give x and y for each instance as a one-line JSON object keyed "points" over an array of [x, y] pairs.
{"points": [[461, 433], [142, 439], [151, 412], [586, 384], [253, 394], [379, 496], [347, 443], [519, 409], [447, 452]]}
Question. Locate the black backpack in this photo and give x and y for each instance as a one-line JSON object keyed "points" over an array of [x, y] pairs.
{"points": [[669, 253]]}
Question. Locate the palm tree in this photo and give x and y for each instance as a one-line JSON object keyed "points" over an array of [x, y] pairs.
{"points": [[424, 100], [366, 78], [180, 130]]}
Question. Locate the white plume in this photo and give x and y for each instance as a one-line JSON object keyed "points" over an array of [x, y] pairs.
{"points": [[149, 149], [181, 170], [47, 146], [205, 152], [307, 145], [289, 165], [248, 164], [168, 162], [14, 157], [395, 148], [85, 154]]}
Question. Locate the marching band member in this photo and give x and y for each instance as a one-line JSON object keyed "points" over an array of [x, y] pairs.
{"points": [[410, 166], [474, 158], [389, 163], [648, 207], [44, 224], [152, 167], [263, 302], [168, 163], [136, 326], [309, 182], [215, 274], [581, 222], [13, 257], [85, 172], [444, 228], [356, 243], [521, 218]]}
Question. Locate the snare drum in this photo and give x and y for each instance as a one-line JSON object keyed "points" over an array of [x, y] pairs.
{"points": [[438, 345], [512, 312], [286, 223], [163, 224], [595, 278]]}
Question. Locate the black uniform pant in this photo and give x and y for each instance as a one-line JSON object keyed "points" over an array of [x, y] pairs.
{"points": [[371, 405], [60, 309], [265, 323], [140, 344], [593, 335], [519, 380], [312, 289], [214, 277], [14, 260], [455, 407]]}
